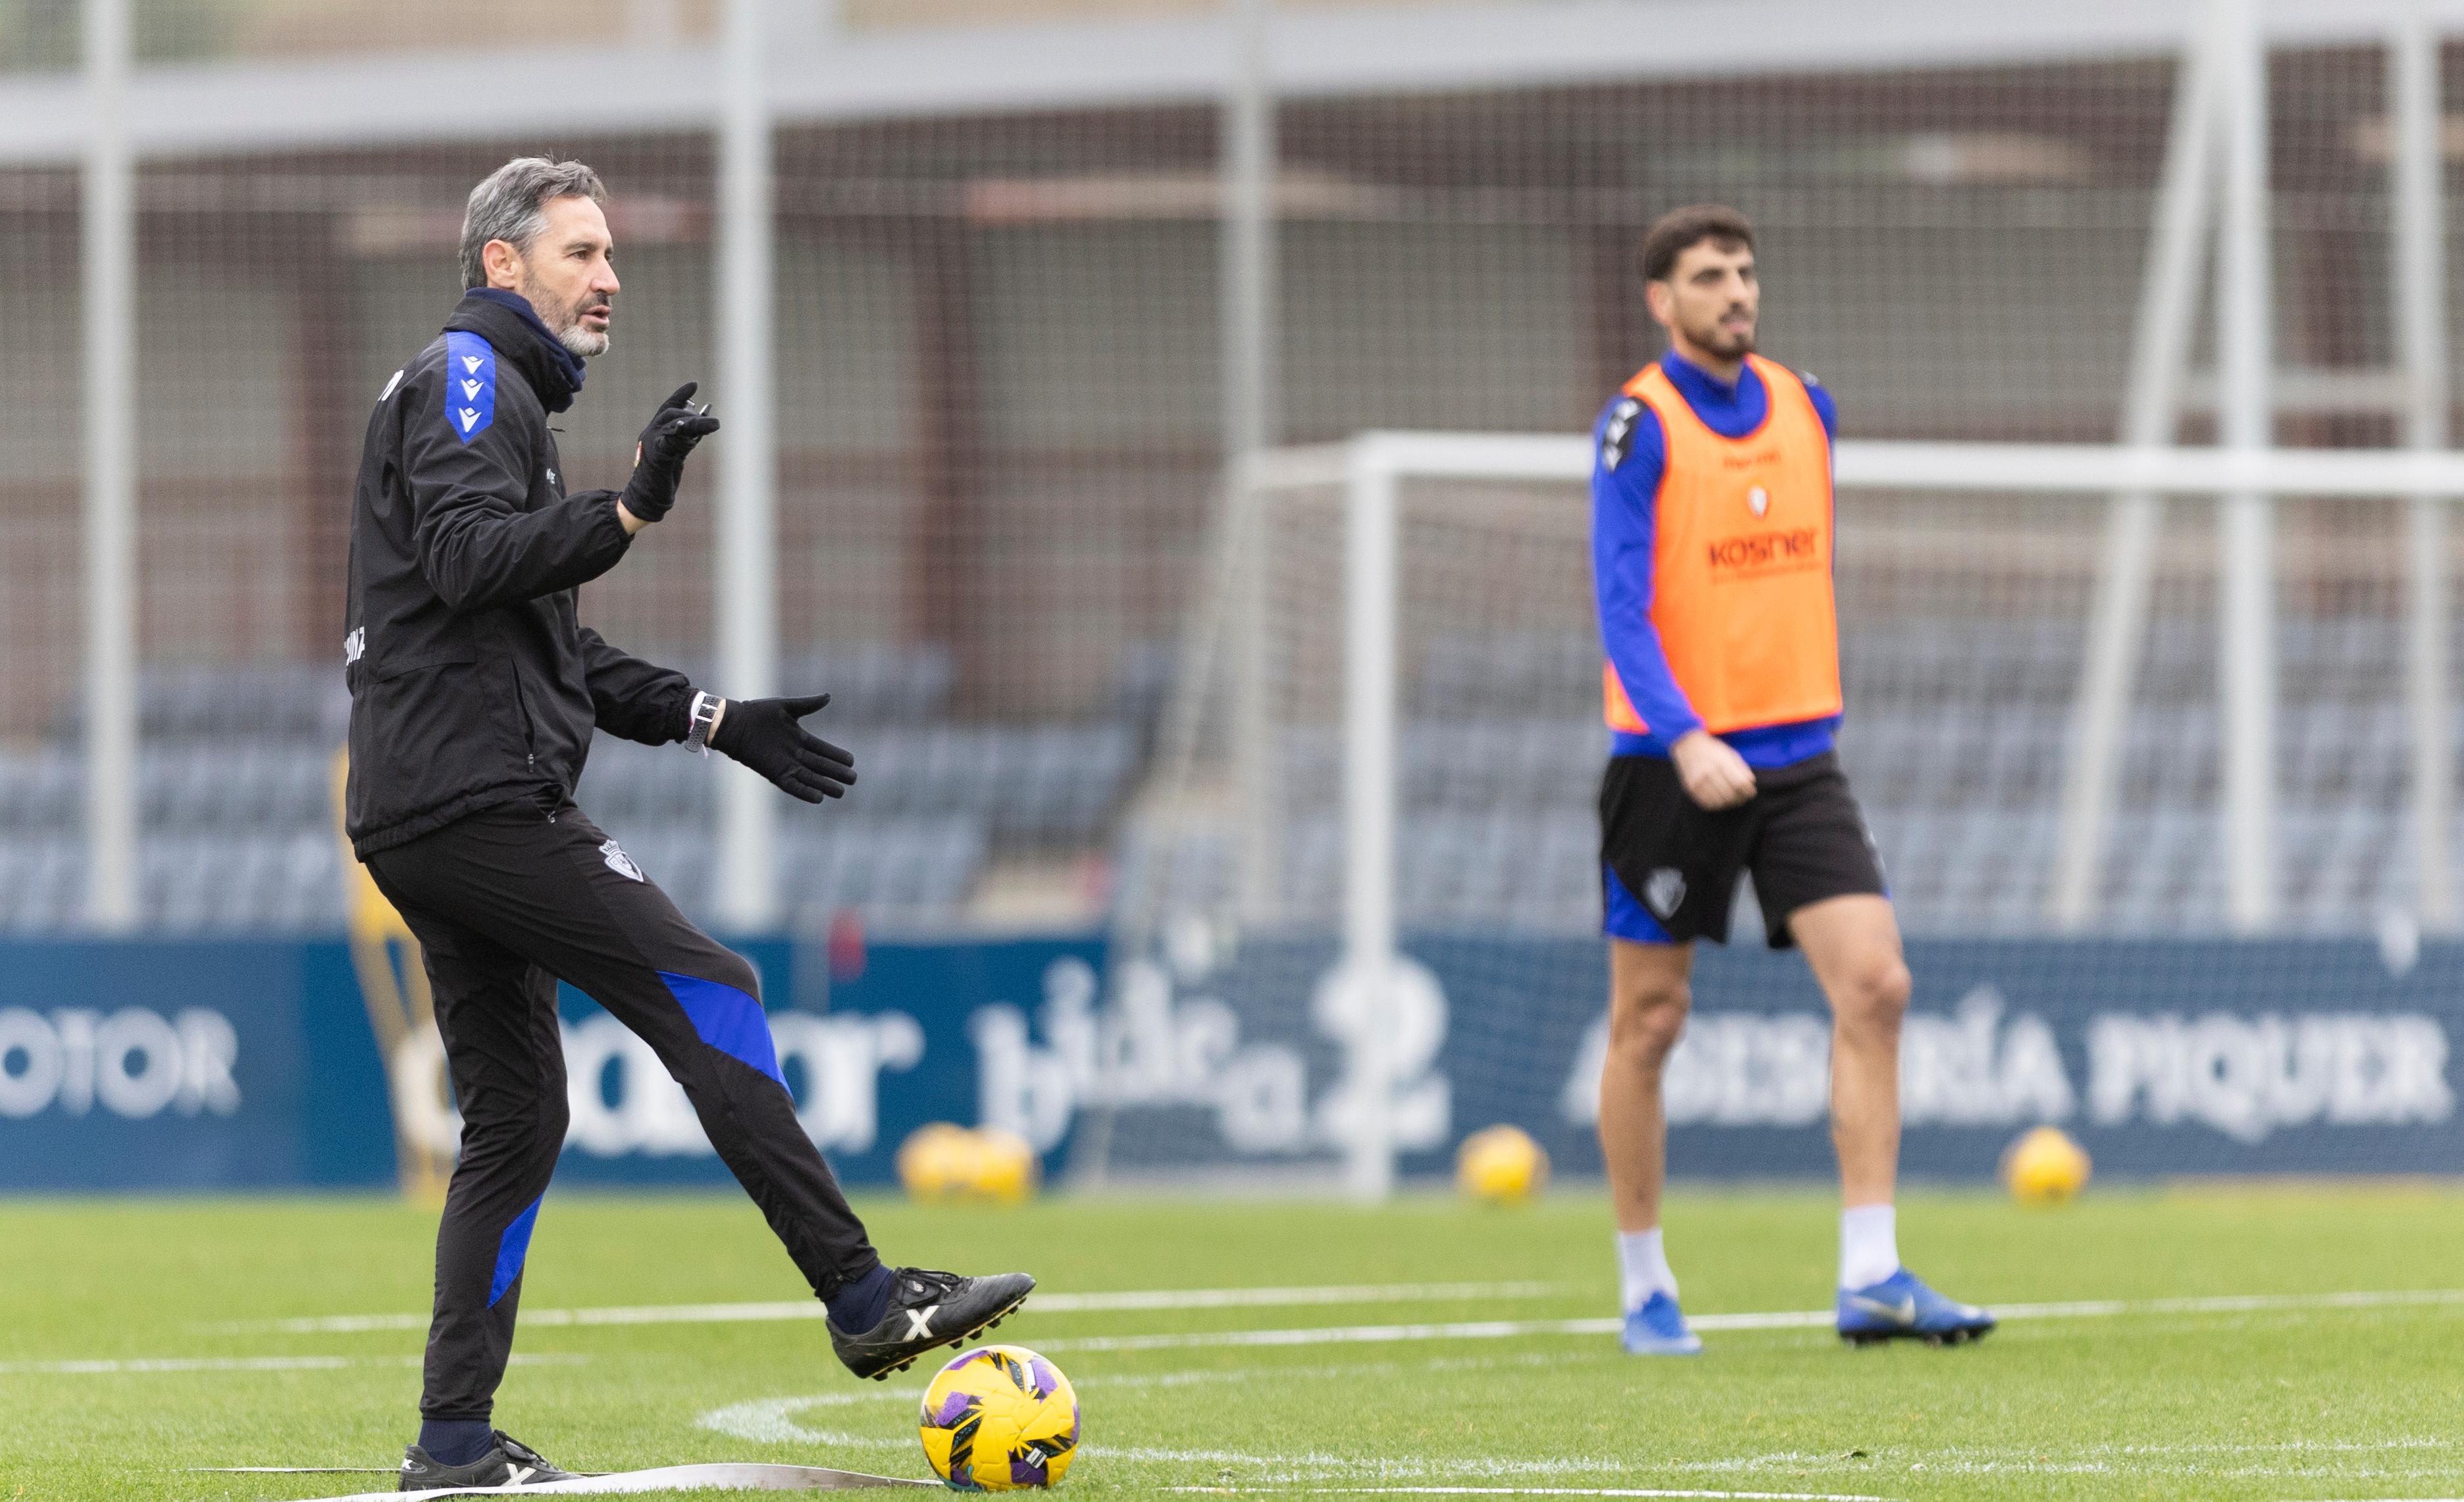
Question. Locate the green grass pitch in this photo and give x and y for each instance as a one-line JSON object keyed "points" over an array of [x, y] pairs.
{"points": [[2281, 1398]]}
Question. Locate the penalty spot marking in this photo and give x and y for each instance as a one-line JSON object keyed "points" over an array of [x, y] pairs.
{"points": [[1140, 1299]]}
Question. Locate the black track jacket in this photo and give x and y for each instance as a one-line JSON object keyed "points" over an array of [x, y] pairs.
{"points": [[473, 683]]}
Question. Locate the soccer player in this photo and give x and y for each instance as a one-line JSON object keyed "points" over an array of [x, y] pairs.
{"points": [[475, 691], [1712, 552]]}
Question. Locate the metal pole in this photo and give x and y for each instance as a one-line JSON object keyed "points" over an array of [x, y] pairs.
{"points": [[1370, 599], [1250, 617], [1248, 236], [1248, 418], [110, 297], [2168, 306], [2246, 521], [2418, 172], [747, 585]]}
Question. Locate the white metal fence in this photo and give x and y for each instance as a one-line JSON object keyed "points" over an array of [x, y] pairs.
{"points": [[1347, 200]]}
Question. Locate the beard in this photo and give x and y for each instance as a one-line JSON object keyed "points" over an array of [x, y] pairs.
{"points": [[564, 322], [1725, 344]]}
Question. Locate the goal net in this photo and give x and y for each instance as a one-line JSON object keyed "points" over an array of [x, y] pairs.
{"points": [[1360, 916]]}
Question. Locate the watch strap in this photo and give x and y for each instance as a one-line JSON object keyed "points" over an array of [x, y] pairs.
{"points": [[703, 714]]}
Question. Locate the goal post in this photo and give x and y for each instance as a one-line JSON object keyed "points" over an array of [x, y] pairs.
{"points": [[1371, 709], [1288, 667]]}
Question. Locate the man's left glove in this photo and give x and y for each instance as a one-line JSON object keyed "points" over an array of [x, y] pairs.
{"points": [[659, 458], [763, 735]]}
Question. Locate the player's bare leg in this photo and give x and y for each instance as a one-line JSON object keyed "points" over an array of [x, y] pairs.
{"points": [[1648, 998], [1852, 944]]}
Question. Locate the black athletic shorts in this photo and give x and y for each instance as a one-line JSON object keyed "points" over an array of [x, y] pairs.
{"points": [[1669, 866]]}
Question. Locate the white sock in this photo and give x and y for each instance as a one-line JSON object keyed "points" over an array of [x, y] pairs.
{"points": [[1869, 1244], [1642, 1268]]}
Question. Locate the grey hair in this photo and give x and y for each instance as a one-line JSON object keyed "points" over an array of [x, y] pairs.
{"points": [[510, 205]]}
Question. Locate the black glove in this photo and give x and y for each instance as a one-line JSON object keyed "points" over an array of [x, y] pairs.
{"points": [[763, 735], [659, 458]]}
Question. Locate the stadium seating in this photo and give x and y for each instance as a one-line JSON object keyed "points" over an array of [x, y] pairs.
{"points": [[1956, 741], [234, 799]]}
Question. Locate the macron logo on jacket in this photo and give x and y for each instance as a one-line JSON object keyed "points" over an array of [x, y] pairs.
{"points": [[469, 384]]}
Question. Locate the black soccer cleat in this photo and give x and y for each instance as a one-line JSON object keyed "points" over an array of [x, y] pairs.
{"points": [[928, 1309], [509, 1463]]}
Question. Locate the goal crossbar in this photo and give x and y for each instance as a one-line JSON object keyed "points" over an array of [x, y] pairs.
{"points": [[1881, 464]]}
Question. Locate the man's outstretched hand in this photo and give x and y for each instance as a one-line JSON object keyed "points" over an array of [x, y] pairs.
{"points": [[763, 735], [659, 458]]}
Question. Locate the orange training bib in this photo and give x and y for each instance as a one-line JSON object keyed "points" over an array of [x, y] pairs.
{"points": [[1741, 567]]}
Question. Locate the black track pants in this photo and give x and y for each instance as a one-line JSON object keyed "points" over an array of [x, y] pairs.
{"points": [[506, 902]]}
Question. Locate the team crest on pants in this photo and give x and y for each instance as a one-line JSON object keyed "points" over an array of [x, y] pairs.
{"points": [[619, 861], [1665, 889]]}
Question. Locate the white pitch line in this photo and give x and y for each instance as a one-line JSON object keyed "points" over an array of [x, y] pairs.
{"points": [[1784, 1319], [237, 1364], [1543, 1492], [1039, 1304], [1287, 1297], [772, 1420], [1217, 1298], [784, 1421], [1338, 1335], [727, 1475], [185, 1363], [2236, 1303]]}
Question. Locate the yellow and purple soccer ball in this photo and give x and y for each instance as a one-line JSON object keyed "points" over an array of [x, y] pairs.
{"points": [[1501, 1165], [938, 1162], [943, 1164], [1000, 1418], [1005, 1166], [2044, 1166]]}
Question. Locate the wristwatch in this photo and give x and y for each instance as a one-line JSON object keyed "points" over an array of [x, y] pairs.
{"points": [[703, 715]]}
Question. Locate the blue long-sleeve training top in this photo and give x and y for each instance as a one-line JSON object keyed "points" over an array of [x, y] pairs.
{"points": [[1624, 503]]}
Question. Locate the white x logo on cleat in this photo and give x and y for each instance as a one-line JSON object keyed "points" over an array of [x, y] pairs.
{"points": [[919, 1321]]}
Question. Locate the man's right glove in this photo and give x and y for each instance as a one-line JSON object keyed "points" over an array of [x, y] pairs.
{"points": [[763, 735], [659, 458]]}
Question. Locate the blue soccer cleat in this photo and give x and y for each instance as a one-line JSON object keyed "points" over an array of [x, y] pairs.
{"points": [[1901, 1308], [1659, 1329]]}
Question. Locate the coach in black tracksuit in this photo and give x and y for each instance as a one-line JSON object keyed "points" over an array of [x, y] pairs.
{"points": [[475, 690]]}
